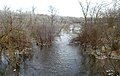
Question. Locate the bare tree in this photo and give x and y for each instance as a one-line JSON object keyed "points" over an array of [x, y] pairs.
{"points": [[85, 9]]}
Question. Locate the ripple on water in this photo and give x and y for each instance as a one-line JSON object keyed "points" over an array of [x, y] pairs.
{"points": [[60, 60]]}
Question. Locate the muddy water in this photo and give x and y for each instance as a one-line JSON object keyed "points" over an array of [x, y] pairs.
{"points": [[61, 59]]}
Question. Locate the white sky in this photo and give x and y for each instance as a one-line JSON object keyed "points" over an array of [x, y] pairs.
{"points": [[65, 7]]}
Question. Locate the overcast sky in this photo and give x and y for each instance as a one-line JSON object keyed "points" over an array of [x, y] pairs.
{"points": [[64, 7]]}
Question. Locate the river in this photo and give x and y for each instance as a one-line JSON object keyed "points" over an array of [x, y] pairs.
{"points": [[61, 59]]}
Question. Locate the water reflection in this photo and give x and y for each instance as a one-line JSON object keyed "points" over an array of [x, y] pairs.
{"points": [[59, 60], [63, 59], [66, 60]]}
